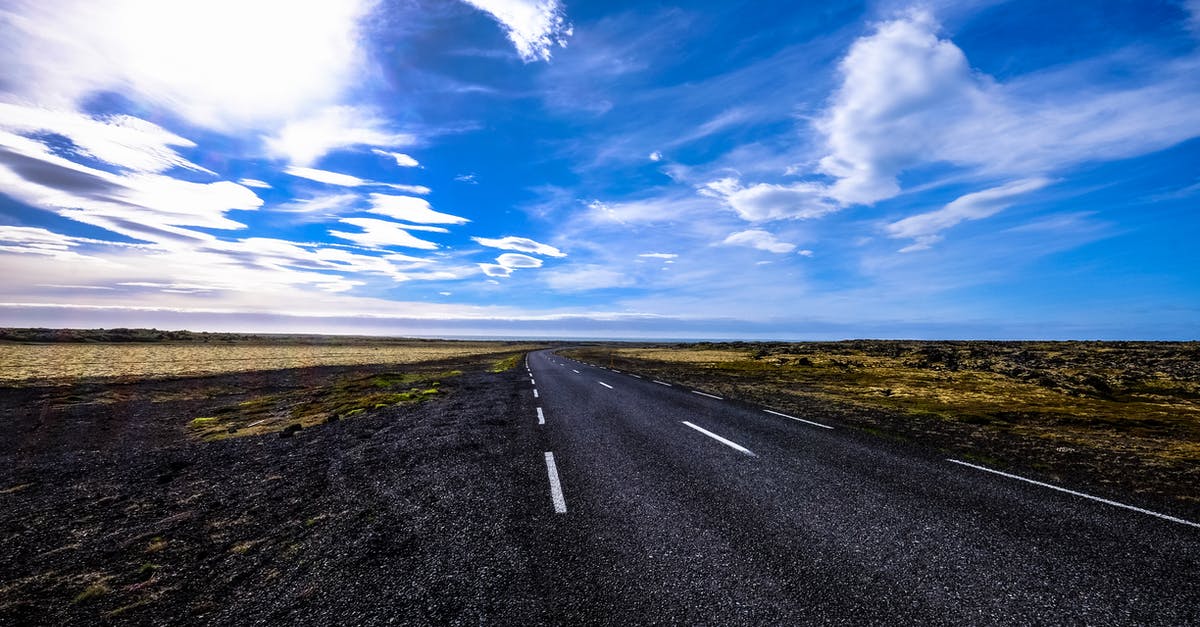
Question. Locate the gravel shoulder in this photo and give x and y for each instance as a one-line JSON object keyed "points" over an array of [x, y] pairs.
{"points": [[111, 511]]}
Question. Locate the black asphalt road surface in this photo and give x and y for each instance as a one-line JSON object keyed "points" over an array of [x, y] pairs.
{"points": [[667, 524]]}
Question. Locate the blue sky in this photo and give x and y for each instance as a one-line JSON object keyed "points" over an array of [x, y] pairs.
{"points": [[533, 167]]}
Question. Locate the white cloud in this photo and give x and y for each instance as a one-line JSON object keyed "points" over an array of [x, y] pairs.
{"points": [[656, 156], [534, 26], [760, 239], [659, 255], [495, 270], [910, 98], [517, 260], [326, 203], [764, 202], [1193, 19], [409, 189], [123, 141], [470, 179], [924, 228], [411, 209], [254, 183], [220, 63], [145, 206], [401, 159], [304, 141], [521, 244], [382, 233], [588, 277], [325, 176], [805, 253]]}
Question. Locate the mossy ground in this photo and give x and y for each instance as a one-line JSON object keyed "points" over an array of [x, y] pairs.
{"points": [[345, 398]]}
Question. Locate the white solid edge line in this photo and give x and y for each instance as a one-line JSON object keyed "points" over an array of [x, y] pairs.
{"points": [[1080, 494], [556, 493], [707, 394], [729, 443], [815, 424], [662, 383], [605, 384], [535, 394], [541, 417]]}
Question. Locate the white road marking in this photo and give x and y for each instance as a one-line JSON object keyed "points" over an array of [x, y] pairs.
{"points": [[532, 382], [1079, 494], [535, 395], [634, 375], [605, 384], [541, 417], [574, 370], [556, 493], [707, 394], [815, 424], [729, 443], [662, 383]]}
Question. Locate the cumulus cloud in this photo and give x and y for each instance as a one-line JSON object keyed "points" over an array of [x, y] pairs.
{"points": [[383, 233], [763, 202], [656, 156], [760, 239], [533, 26], [909, 97], [220, 63], [305, 140], [924, 228], [520, 244], [401, 159], [411, 209]]}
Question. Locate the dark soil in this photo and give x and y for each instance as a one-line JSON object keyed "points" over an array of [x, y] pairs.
{"points": [[111, 512]]}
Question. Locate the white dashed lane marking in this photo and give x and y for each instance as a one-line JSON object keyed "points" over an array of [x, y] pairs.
{"points": [[730, 443], [556, 493], [815, 424], [707, 394], [605, 384], [1079, 494]]}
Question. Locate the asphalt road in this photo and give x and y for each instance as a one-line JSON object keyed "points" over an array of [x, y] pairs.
{"points": [[661, 504]]}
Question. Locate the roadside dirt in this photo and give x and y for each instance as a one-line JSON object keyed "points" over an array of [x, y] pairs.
{"points": [[110, 511]]}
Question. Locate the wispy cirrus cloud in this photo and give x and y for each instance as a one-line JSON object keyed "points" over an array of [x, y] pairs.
{"points": [[925, 228], [535, 27]]}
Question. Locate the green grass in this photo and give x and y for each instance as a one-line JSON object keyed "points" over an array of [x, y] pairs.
{"points": [[508, 363]]}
